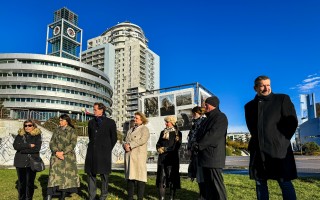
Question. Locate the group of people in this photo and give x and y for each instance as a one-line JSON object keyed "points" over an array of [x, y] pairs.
{"points": [[63, 173], [271, 120]]}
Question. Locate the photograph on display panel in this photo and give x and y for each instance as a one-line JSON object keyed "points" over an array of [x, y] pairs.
{"points": [[167, 105], [184, 119], [203, 96], [151, 107], [184, 99]]}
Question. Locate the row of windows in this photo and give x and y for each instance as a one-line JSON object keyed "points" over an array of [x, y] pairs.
{"points": [[30, 87], [98, 86], [43, 115], [36, 62], [51, 101]]}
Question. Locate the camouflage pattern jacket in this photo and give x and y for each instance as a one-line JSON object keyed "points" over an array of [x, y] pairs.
{"points": [[63, 173]]}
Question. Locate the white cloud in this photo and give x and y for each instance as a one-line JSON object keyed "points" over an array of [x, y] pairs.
{"points": [[311, 79], [311, 82]]}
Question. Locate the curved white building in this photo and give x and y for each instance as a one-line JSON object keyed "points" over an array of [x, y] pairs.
{"points": [[42, 86]]}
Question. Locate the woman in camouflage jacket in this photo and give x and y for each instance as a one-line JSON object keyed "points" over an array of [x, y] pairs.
{"points": [[63, 173]]}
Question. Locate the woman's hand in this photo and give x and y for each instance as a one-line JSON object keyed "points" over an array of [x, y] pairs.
{"points": [[126, 147], [32, 145], [160, 150], [60, 155]]}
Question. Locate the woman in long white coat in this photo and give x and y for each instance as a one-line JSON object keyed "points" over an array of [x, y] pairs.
{"points": [[136, 156]]}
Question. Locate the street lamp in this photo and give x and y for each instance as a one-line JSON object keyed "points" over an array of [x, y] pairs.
{"points": [[83, 110]]}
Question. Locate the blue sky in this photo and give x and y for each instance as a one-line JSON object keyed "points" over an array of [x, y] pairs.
{"points": [[223, 44]]}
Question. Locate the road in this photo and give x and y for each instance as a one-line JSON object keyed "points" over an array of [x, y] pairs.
{"points": [[306, 165]]}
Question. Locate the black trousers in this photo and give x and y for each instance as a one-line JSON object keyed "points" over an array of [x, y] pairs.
{"points": [[25, 183], [92, 186], [213, 180]]}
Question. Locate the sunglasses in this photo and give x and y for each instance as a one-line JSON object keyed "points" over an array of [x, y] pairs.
{"points": [[28, 125]]}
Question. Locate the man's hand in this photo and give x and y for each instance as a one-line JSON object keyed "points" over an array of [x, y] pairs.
{"points": [[195, 147]]}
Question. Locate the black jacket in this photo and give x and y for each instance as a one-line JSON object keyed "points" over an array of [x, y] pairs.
{"points": [[102, 138], [212, 140], [272, 122], [22, 144]]}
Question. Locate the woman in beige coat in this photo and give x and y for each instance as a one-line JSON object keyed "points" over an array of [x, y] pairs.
{"points": [[136, 155]]}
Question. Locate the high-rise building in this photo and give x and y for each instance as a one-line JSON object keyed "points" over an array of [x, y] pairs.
{"points": [[122, 52]]}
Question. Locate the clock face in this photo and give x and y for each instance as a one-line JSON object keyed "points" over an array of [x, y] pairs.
{"points": [[56, 30], [71, 32]]}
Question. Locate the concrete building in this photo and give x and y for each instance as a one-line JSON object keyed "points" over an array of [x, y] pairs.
{"points": [[122, 52], [43, 86], [309, 129], [243, 137]]}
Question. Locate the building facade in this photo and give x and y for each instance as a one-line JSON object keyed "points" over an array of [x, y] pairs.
{"points": [[309, 128], [133, 64], [42, 86]]}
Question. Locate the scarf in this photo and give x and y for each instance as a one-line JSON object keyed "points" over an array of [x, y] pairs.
{"points": [[167, 131]]}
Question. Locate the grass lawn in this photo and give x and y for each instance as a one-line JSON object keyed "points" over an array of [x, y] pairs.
{"points": [[238, 187]]}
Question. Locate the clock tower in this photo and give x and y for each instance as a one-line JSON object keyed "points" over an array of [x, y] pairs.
{"points": [[64, 37]]}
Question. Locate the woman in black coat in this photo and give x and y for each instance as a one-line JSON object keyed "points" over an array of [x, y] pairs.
{"points": [[168, 161], [27, 143], [102, 138]]}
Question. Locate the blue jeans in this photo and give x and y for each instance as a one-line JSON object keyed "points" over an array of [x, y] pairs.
{"points": [[288, 192]]}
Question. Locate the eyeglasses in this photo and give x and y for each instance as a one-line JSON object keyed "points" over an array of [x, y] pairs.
{"points": [[28, 125]]}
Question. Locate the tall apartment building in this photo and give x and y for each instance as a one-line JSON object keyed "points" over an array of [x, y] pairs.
{"points": [[122, 53]]}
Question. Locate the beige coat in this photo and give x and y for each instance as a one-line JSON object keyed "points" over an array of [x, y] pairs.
{"points": [[136, 159]]}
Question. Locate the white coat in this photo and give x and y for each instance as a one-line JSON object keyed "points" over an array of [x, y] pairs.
{"points": [[136, 159]]}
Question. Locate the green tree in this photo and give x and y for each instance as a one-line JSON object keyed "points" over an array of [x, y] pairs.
{"points": [[310, 148]]}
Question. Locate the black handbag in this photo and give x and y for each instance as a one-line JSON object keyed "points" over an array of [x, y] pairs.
{"points": [[36, 164]]}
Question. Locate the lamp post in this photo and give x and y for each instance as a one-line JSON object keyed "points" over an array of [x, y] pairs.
{"points": [[83, 110]]}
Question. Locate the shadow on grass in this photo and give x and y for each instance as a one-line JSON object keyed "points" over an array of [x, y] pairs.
{"points": [[117, 187]]}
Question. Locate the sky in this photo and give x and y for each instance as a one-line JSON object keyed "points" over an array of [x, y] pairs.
{"points": [[222, 44]]}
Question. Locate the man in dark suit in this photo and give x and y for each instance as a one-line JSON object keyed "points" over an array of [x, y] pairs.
{"points": [[211, 147], [102, 138], [272, 121]]}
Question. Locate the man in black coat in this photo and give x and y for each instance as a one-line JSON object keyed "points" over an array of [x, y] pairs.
{"points": [[211, 148], [102, 138], [272, 121]]}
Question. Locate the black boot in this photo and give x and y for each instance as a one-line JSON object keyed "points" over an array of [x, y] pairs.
{"points": [[172, 193], [63, 196], [162, 193], [49, 197]]}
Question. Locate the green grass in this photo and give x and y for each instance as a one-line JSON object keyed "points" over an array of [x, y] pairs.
{"points": [[238, 187]]}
